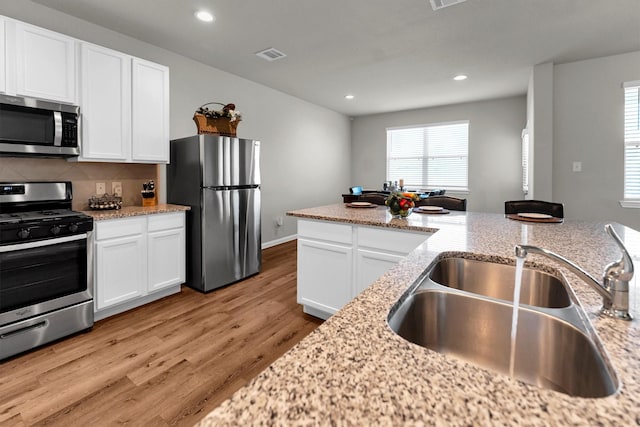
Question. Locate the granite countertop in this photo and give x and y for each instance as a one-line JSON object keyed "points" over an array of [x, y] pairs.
{"points": [[128, 211], [353, 370]]}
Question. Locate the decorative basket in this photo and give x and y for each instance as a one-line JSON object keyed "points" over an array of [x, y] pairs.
{"points": [[224, 122], [105, 202]]}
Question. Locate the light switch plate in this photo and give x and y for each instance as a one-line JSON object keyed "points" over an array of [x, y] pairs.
{"points": [[100, 188], [116, 189]]}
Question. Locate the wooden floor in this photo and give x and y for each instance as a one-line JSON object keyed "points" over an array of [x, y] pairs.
{"points": [[167, 363]]}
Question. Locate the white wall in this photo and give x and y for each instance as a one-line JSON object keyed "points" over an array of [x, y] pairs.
{"points": [[540, 122], [495, 128], [305, 148], [588, 127]]}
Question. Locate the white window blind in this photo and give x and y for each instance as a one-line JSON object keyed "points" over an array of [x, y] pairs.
{"points": [[632, 140], [525, 161], [431, 156]]}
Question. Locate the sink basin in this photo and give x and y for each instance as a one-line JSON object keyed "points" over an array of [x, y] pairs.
{"points": [[550, 353], [495, 280]]}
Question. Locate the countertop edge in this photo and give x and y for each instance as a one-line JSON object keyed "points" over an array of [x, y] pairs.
{"points": [[130, 211]]}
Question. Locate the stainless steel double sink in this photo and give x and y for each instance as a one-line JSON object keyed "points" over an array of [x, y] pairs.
{"points": [[463, 307]]}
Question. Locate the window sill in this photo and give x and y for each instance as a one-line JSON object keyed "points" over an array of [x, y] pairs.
{"points": [[630, 203]]}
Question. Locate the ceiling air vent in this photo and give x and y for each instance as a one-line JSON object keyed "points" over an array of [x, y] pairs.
{"points": [[439, 4], [270, 54]]}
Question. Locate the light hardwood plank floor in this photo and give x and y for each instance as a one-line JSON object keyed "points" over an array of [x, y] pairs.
{"points": [[166, 363]]}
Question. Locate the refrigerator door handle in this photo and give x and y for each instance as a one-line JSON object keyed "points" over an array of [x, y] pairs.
{"points": [[232, 187]]}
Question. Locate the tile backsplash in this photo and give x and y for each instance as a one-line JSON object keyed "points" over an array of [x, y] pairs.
{"points": [[84, 176]]}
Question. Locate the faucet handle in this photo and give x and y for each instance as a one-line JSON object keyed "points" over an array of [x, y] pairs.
{"points": [[623, 268]]}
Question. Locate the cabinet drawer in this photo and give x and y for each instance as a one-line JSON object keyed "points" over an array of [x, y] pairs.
{"points": [[112, 228], [390, 240], [160, 222], [339, 233]]}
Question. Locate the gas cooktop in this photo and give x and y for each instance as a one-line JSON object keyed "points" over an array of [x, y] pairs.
{"points": [[39, 210]]}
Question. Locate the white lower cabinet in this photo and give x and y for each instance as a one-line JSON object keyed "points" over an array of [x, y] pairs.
{"points": [[338, 261], [120, 268], [324, 275], [137, 260], [166, 251], [370, 265]]}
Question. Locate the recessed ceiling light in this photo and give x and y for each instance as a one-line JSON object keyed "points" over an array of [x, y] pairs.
{"points": [[460, 77], [349, 96], [205, 16]]}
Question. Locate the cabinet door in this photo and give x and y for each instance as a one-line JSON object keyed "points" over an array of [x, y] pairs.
{"points": [[370, 265], [45, 64], [105, 94], [324, 275], [121, 266], [166, 251], [3, 75], [150, 112]]}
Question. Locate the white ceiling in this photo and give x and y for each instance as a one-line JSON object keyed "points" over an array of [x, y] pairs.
{"points": [[391, 54]]}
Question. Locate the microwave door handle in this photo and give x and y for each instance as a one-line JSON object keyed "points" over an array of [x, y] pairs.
{"points": [[57, 126]]}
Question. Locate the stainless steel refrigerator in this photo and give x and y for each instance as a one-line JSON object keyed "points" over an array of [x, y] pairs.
{"points": [[219, 177]]}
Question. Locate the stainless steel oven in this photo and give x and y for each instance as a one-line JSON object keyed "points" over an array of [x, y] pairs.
{"points": [[46, 279]]}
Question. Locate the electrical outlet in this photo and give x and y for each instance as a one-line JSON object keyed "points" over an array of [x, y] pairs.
{"points": [[280, 221], [577, 166], [116, 189], [100, 188]]}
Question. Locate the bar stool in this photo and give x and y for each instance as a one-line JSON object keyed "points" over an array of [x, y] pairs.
{"points": [[447, 202], [534, 206]]}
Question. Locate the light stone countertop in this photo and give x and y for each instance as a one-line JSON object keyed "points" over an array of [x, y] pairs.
{"points": [[129, 211], [353, 370]]}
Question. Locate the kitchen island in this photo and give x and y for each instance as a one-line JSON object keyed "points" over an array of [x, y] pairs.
{"points": [[353, 370]]}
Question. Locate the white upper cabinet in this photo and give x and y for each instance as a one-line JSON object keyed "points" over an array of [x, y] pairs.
{"points": [[105, 99], [124, 103], [150, 112], [3, 74], [45, 64]]}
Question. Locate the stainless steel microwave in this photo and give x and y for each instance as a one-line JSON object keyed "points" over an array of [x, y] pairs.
{"points": [[32, 127]]}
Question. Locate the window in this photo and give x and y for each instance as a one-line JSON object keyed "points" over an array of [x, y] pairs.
{"points": [[431, 156], [525, 161], [632, 140]]}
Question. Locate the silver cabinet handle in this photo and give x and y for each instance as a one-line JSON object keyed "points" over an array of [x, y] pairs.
{"points": [[40, 243]]}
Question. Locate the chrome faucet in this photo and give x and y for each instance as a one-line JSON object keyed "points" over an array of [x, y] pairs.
{"points": [[614, 288]]}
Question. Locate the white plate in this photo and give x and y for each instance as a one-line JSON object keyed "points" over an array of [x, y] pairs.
{"points": [[360, 204], [534, 215], [430, 208]]}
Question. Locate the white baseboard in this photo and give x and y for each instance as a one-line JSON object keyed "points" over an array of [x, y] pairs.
{"points": [[125, 306], [279, 241]]}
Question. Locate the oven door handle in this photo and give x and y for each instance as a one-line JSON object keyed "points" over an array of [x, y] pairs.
{"points": [[41, 243]]}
